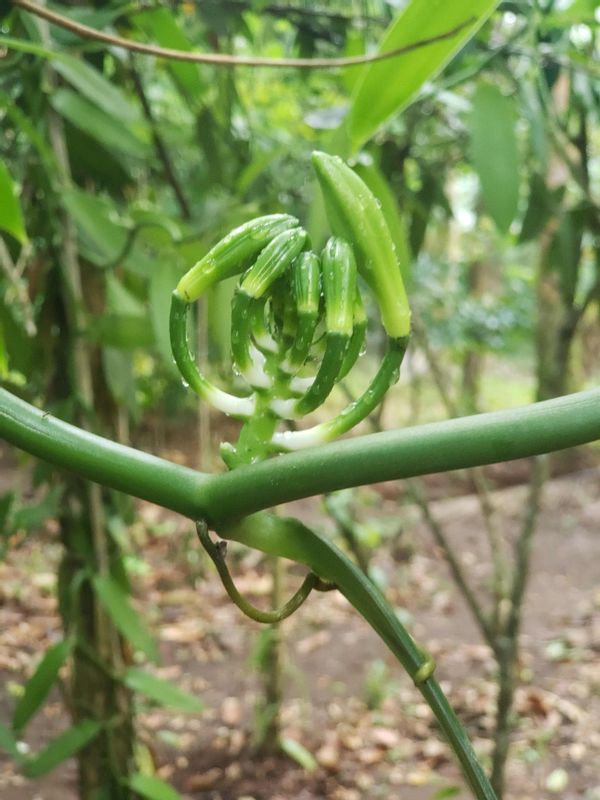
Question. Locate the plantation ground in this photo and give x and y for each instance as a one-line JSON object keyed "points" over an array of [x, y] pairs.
{"points": [[339, 668]]}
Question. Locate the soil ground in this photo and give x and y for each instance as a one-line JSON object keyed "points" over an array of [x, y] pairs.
{"points": [[346, 700]]}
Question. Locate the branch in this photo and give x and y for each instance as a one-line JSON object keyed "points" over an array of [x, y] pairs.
{"points": [[220, 59], [160, 147], [442, 446]]}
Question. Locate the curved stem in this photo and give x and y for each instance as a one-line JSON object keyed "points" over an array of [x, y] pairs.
{"points": [[454, 444], [216, 554], [226, 60], [225, 402], [289, 538]]}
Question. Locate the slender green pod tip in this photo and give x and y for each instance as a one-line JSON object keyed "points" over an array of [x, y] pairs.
{"points": [[339, 286], [306, 283], [273, 261], [355, 214], [232, 254]]}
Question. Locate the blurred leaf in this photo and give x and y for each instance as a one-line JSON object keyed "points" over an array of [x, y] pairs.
{"points": [[128, 621], [96, 88], [33, 515], [260, 162], [388, 86], [103, 236], [6, 502], [61, 748], [35, 49], [98, 18], [447, 791], [119, 377], [8, 743], [161, 25], [125, 331], [495, 153], [119, 300], [40, 683], [298, 753], [565, 252], [163, 692], [577, 13], [542, 204], [153, 788], [109, 130], [11, 216], [22, 121]]}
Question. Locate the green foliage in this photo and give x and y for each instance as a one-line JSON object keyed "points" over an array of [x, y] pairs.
{"points": [[152, 788], [386, 87], [64, 746], [160, 691], [493, 132], [11, 216], [40, 683], [115, 601]]}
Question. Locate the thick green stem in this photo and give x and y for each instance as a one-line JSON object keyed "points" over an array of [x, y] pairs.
{"points": [[454, 444], [289, 538]]}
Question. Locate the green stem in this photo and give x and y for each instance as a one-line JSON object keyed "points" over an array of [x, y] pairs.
{"points": [[289, 538], [258, 615], [453, 444]]}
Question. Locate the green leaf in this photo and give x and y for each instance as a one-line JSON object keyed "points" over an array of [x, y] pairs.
{"points": [[102, 238], [11, 216], [23, 46], [125, 331], [105, 128], [565, 252], [163, 692], [445, 792], [6, 502], [128, 621], [495, 153], [8, 743], [298, 753], [542, 204], [95, 87], [388, 86], [153, 788], [162, 26], [119, 376], [33, 515], [61, 748], [93, 18], [40, 683]]}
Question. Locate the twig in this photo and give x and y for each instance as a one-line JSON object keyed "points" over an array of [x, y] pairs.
{"points": [[160, 147], [452, 562], [506, 645], [14, 274], [220, 59], [298, 11], [493, 533]]}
